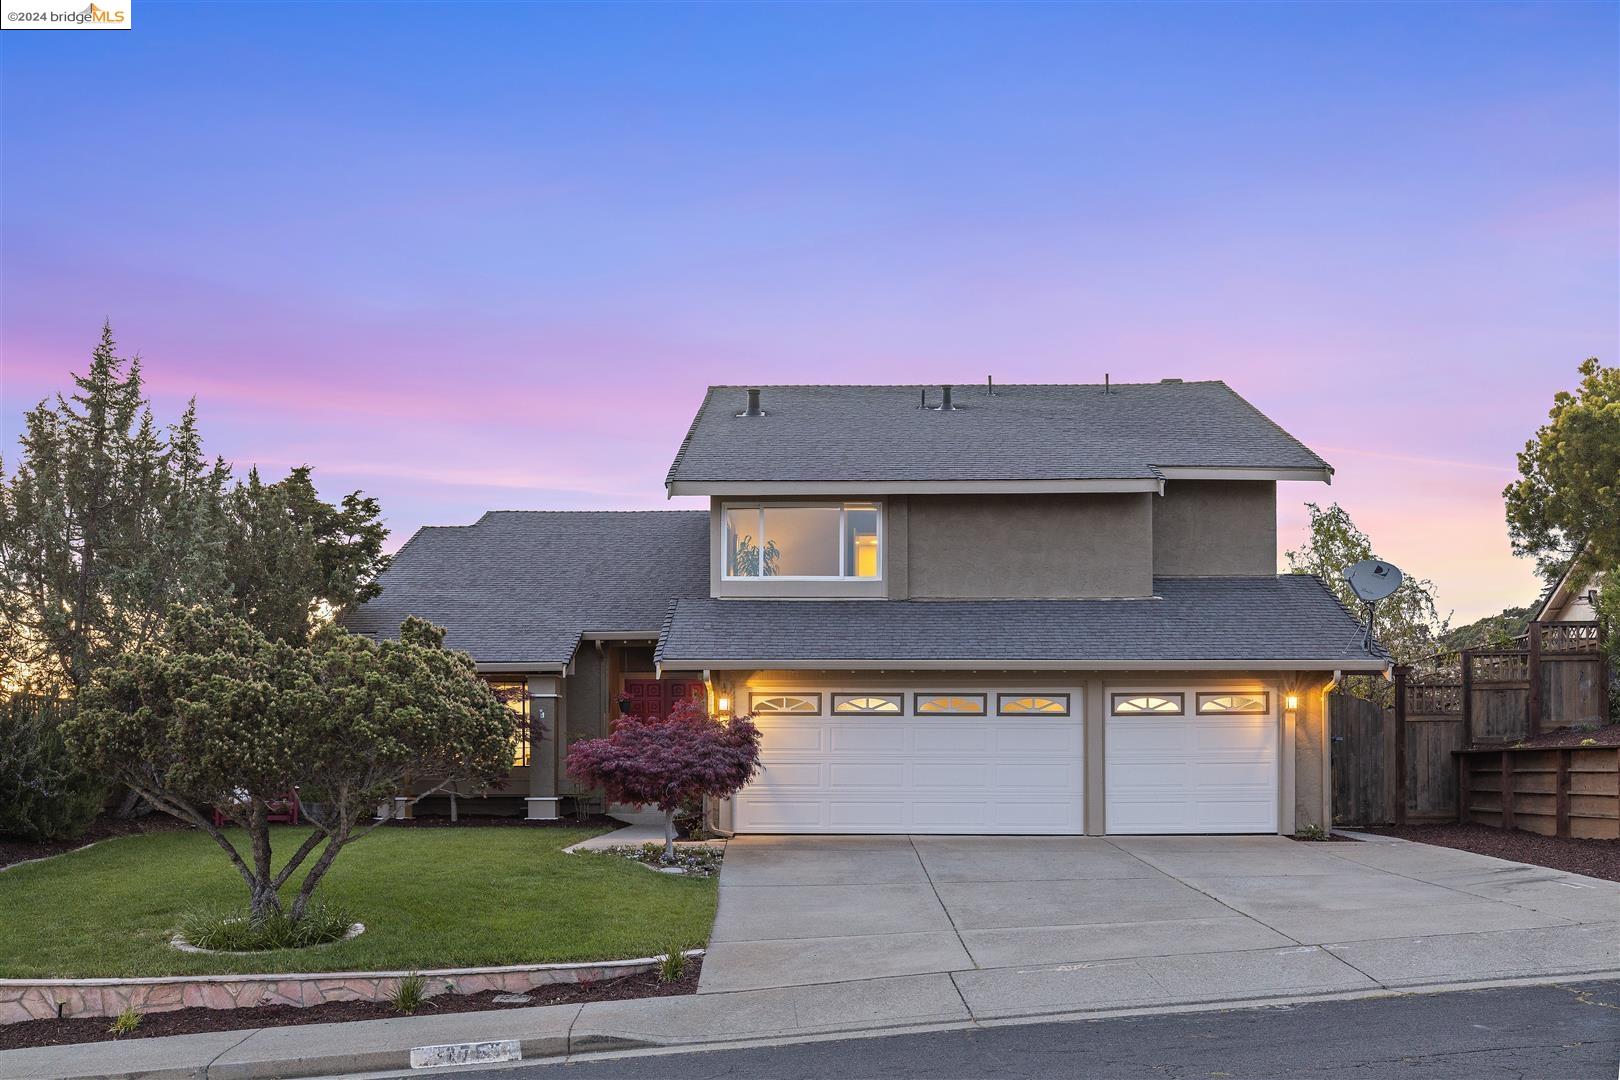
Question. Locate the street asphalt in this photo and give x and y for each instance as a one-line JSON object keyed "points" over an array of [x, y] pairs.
{"points": [[1565, 1032]]}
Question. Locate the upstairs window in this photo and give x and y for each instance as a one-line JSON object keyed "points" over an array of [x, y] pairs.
{"points": [[834, 541]]}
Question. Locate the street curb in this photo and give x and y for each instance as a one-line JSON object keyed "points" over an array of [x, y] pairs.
{"points": [[556, 1045]]}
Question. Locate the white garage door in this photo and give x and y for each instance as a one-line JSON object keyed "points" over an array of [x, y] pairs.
{"points": [[1184, 760], [921, 761]]}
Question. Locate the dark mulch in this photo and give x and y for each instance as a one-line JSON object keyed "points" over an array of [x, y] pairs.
{"points": [[191, 1021], [102, 828], [1594, 858], [1330, 838], [1608, 735]]}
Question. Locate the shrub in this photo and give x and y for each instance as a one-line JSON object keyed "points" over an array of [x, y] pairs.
{"points": [[218, 717], [669, 762], [125, 1022], [672, 965], [409, 994], [237, 931], [44, 793]]}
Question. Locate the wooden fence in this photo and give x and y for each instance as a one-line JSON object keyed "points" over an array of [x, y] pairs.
{"points": [[1400, 764], [1572, 791]]}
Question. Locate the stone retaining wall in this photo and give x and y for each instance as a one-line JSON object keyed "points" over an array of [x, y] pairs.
{"points": [[28, 999]]}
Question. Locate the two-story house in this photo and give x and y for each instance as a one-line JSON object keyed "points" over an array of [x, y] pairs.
{"points": [[966, 609]]}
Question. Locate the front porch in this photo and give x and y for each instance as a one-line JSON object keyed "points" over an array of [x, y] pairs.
{"points": [[607, 677]]}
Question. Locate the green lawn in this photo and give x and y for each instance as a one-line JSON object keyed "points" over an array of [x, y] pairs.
{"points": [[429, 898]]}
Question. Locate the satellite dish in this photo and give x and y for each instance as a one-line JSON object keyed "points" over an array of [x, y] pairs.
{"points": [[1372, 579]]}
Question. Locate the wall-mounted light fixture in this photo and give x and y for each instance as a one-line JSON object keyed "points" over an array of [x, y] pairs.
{"points": [[722, 705], [1291, 702]]}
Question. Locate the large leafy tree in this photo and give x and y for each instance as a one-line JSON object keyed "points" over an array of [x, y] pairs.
{"points": [[1407, 623], [669, 762], [1564, 510], [220, 716], [104, 523], [1565, 506], [107, 521], [293, 559]]}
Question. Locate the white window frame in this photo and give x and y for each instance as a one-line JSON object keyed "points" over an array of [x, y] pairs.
{"points": [[843, 520]]}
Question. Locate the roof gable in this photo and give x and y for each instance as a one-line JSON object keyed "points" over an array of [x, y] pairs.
{"points": [[521, 586], [1020, 434]]}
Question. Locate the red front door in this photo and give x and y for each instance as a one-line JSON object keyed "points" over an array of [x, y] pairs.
{"points": [[655, 697]]}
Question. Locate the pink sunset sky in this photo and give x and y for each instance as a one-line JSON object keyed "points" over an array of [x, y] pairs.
{"points": [[493, 263]]}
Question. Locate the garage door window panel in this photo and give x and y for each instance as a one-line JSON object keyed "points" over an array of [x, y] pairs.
{"points": [[949, 705], [1032, 704], [785, 704], [868, 704], [1166, 704], [1224, 704]]}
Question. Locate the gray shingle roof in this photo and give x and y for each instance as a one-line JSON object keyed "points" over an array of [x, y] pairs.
{"points": [[1021, 433], [1289, 617], [521, 586]]}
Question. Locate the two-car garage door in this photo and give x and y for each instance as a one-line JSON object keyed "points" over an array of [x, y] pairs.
{"points": [[916, 761], [1177, 760]]}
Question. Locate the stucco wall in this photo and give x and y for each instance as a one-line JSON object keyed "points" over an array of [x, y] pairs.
{"points": [[1313, 782], [1030, 546], [586, 716], [1210, 528]]}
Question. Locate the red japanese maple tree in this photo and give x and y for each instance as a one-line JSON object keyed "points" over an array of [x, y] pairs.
{"points": [[669, 761]]}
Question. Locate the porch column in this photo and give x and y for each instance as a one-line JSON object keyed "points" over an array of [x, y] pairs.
{"points": [[1095, 718], [545, 720]]}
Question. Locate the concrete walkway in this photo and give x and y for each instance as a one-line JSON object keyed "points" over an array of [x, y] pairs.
{"points": [[867, 935]]}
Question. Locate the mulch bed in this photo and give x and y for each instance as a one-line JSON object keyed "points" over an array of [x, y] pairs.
{"points": [[1603, 736], [102, 828], [192, 1021], [1594, 858]]}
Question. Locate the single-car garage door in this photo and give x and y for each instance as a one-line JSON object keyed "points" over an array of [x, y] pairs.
{"points": [[916, 761], [1185, 760]]}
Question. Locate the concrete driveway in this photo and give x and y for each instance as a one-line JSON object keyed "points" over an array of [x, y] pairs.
{"points": [[1022, 925]]}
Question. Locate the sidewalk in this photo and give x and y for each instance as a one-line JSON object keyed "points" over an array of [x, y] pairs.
{"points": [[875, 1006]]}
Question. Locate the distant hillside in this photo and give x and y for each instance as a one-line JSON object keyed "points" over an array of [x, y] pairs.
{"points": [[1492, 630]]}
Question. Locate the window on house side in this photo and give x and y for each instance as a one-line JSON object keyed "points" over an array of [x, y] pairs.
{"points": [[1032, 704], [954, 704], [1240, 704], [514, 694], [868, 704], [1149, 704]]}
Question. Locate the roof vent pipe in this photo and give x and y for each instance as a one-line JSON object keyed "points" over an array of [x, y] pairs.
{"points": [[753, 403], [945, 399]]}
